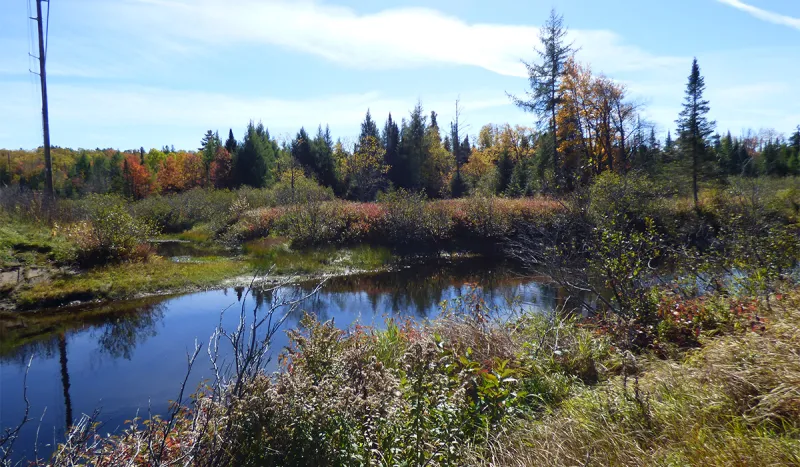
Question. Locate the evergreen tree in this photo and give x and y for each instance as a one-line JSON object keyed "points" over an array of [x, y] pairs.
{"points": [[465, 151], [458, 187], [391, 144], [793, 161], [654, 146], [412, 150], [369, 129], [437, 163], [505, 169], [208, 150], [252, 159], [520, 179], [322, 155], [545, 79], [83, 167], [726, 158], [794, 140], [301, 152], [772, 160], [100, 179], [694, 126], [116, 173], [231, 144]]}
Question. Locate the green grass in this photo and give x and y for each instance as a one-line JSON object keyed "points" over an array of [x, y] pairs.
{"points": [[272, 252], [129, 280], [31, 244], [198, 234]]}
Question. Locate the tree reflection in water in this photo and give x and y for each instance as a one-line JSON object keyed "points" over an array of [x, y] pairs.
{"points": [[41, 335]]}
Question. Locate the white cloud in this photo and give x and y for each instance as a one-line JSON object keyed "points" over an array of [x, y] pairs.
{"points": [[765, 15], [390, 39]]}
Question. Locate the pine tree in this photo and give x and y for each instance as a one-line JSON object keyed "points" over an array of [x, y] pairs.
{"points": [[545, 77], [694, 126]]}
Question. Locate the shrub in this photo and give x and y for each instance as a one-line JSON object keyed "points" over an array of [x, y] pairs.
{"points": [[179, 212], [109, 234]]}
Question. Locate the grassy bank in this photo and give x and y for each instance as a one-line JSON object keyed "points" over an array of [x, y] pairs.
{"points": [[128, 280], [159, 276]]}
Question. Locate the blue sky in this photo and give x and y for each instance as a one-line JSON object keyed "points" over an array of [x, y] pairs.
{"points": [[130, 73]]}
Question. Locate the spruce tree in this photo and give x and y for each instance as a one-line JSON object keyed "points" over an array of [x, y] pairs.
{"points": [[250, 164], [725, 155], [231, 144], [794, 140], [465, 151], [391, 144], [322, 156], [208, 151], [545, 77], [694, 126], [301, 151], [412, 150], [369, 129], [505, 169]]}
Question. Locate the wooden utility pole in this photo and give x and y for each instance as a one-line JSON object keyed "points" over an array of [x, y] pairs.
{"points": [[48, 162]]}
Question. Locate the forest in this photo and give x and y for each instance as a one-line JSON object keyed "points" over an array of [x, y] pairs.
{"points": [[660, 326], [598, 128]]}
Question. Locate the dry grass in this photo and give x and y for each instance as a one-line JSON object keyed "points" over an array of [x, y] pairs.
{"points": [[735, 402]]}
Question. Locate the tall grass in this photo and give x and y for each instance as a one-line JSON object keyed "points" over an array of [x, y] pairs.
{"points": [[735, 401]]}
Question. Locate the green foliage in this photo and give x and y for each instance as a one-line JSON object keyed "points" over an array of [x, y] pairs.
{"points": [[255, 158], [108, 233], [176, 213]]}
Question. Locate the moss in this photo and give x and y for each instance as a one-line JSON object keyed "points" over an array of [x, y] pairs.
{"points": [[128, 280]]}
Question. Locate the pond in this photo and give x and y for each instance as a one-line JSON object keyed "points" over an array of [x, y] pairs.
{"points": [[130, 357]]}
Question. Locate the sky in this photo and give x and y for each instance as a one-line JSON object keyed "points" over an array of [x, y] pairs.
{"points": [[131, 73]]}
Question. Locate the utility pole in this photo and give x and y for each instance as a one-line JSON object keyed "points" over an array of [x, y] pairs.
{"points": [[48, 162]]}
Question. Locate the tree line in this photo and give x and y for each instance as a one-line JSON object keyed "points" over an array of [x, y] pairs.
{"points": [[587, 124]]}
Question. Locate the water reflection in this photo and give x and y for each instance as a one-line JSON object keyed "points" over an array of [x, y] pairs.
{"points": [[121, 326], [62, 353], [131, 356]]}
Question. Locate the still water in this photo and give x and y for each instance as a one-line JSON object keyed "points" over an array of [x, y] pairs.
{"points": [[131, 357]]}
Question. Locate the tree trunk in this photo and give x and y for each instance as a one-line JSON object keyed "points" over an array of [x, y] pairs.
{"points": [[694, 173]]}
